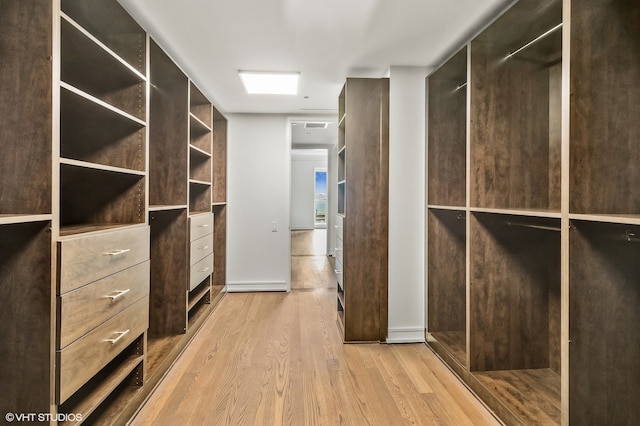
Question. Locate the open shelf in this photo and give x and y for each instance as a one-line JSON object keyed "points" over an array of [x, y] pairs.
{"points": [[119, 143], [447, 293], [202, 291], [199, 165], [169, 272], [199, 197], [219, 157], [219, 275], [515, 112], [447, 132], [604, 353], [200, 106], [168, 130], [25, 340], [99, 197], [108, 22], [25, 112], [91, 69], [200, 135], [199, 312]]}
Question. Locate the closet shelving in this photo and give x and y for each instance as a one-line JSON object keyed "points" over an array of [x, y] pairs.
{"points": [[219, 205], [548, 230], [363, 190]]}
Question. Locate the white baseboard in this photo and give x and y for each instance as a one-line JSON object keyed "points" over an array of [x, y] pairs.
{"points": [[406, 335], [256, 286]]}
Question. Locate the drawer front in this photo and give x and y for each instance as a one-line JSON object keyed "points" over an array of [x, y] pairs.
{"points": [[201, 225], [200, 248], [339, 220], [84, 309], [82, 359], [339, 266], [339, 244], [86, 259], [339, 232], [339, 279], [339, 258], [200, 271]]}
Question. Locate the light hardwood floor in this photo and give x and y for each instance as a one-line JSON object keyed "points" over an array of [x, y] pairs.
{"points": [[277, 359]]}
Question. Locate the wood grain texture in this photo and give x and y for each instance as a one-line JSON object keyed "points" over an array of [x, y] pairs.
{"points": [[219, 276], [446, 287], [168, 130], [605, 340], [199, 166], [509, 116], [366, 220], [25, 113], [285, 364], [514, 272], [199, 198], [447, 132], [200, 106], [604, 107], [26, 315], [169, 273], [219, 157]]}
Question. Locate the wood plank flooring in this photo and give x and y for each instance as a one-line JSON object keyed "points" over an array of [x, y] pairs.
{"points": [[277, 359]]}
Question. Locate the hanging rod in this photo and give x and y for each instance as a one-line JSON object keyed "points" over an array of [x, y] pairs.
{"points": [[535, 40], [461, 86], [534, 226]]}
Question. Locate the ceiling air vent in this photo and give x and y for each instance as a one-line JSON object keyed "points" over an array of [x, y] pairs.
{"points": [[315, 125]]}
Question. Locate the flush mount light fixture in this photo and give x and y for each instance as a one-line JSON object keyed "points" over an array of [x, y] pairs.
{"points": [[270, 83]]}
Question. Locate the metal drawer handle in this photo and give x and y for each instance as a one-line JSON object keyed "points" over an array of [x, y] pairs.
{"points": [[203, 247], [206, 225], [118, 252], [121, 335], [118, 294], [204, 270]]}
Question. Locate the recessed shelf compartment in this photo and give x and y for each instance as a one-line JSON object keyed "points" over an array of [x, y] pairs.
{"points": [[515, 307], [108, 22], [203, 290], [447, 133], [219, 157], [91, 69], [604, 297], [515, 112], [119, 143], [199, 165], [200, 135], [199, 197], [200, 106], [447, 292], [92, 199]]}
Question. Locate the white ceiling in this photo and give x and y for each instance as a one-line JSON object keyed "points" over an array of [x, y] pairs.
{"points": [[325, 40]]}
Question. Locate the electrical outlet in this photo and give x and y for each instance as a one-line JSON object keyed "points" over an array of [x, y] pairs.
{"points": [[274, 226]]}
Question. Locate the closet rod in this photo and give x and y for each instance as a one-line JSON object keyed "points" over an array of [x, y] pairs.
{"points": [[534, 226], [535, 40]]}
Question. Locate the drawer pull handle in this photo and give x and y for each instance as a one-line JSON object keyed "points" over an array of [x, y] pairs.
{"points": [[203, 247], [118, 252], [204, 269], [121, 335], [118, 294], [206, 225]]}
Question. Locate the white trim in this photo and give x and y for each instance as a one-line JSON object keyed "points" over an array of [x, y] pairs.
{"points": [[406, 335], [255, 286]]}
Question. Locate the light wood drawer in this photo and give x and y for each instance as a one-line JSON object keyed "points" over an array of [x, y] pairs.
{"points": [[201, 225], [200, 271], [84, 309], [200, 248], [83, 260], [82, 359]]}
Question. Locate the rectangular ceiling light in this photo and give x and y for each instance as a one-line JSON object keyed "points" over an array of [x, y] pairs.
{"points": [[270, 83]]}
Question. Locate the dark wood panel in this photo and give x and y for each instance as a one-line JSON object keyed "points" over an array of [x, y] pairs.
{"points": [[447, 132], [603, 325], [219, 276], [112, 25], [366, 220], [25, 112], [515, 270], [168, 130], [199, 166], [446, 288], [200, 106], [26, 316], [199, 198], [509, 122], [219, 158], [169, 272], [605, 66], [200, 135]]}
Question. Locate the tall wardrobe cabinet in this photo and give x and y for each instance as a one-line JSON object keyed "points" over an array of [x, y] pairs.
{"points": [[533, 215], [107, 158]]}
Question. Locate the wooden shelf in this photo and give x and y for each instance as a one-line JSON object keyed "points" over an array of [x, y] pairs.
{"points": [[199, 166], [88, 67], [10, 219], [200, 293], [200, 106], [160, 208], [219, 182]]}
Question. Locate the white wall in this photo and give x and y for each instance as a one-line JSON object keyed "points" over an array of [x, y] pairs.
{"points": [[407, 205], [258, 195], [303, 164]]}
